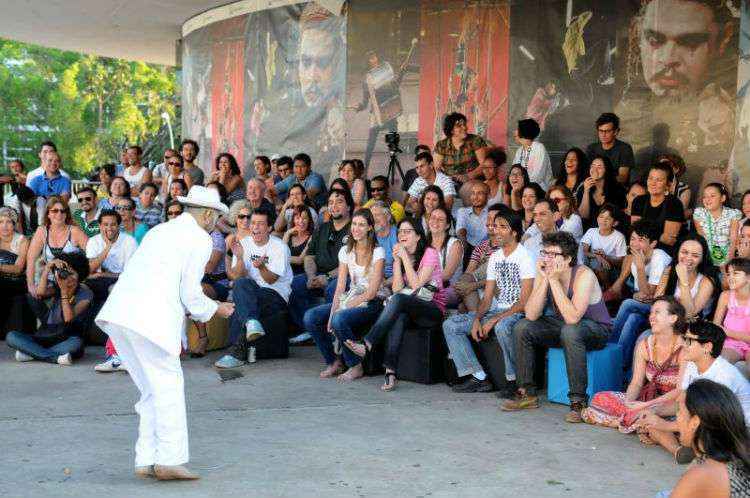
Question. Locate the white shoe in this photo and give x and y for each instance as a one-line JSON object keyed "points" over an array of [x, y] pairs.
{"points": [[304, 336], [253, 330], [111, 364], [65, 360], [23, 356]]}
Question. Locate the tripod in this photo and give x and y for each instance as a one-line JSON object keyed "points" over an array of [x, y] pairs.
{"points": [[394, 166]]}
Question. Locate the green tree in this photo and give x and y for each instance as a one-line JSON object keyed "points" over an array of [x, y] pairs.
{"points": [[89, 106]]}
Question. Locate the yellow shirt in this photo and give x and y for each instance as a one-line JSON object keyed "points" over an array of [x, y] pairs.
{"points": [[397, 210]]}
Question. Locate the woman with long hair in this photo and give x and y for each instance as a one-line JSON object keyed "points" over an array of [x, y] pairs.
{"points": [[493, 171], [106, 173], [530, 195], [297, 197], [573, 170], [351, 172], [227, 172], [239, 216], [569, 220], [361, 261], [515, 182], [718, 222], [119, 188], [418, 297], [599, 188], [13, 249], [298, 237], [431, 198], [449, 249]]}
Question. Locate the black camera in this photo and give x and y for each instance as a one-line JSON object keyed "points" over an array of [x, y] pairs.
{"points": [[392, 139], [62, 273]]}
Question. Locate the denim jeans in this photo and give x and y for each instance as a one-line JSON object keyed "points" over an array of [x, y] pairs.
{"points": [[302, 298], [553, 332], [251, 301], [457, 330], [28, 344], [631, 320], [400, 310], [344, 324]]}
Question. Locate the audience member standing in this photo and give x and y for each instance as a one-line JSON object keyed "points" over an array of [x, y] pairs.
{"points": [[45, 148], [136, 174], [189, 152], [532, 154], [618, 152]]}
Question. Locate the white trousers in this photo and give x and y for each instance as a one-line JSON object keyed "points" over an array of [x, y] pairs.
{"points": [[162, 430]]}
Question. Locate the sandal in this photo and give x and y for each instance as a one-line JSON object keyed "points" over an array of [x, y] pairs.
{"points": [[200, 351], [389, 386], [368, 350]]}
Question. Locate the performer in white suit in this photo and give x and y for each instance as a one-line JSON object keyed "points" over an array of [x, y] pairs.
{"points": [[145, 315]]}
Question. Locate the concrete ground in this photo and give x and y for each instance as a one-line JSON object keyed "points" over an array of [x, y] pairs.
{"points": [[280, 431]]}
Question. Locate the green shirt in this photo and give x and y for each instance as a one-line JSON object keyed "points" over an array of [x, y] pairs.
{"points": [[89, 228]]}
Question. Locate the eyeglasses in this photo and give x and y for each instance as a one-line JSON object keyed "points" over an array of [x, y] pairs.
{"points": [[123, 208], [174, 213], [549, 254], [557, 200], [174, 163], [690, 340], [56, 211], [85, 199], [405, 230], [243, 216]]}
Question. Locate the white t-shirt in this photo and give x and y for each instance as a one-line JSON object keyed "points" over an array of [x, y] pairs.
{"points": [[533, 244], [475, 225], [121, 251], [39, 171], [444, 256], [441, 180], [276, 255], [537, 163], [507, 272], [654, 269], [726, 374], [613, 245], [358, 274]]}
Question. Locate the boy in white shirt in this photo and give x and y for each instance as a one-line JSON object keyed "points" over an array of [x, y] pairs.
{"points": [[603, 247], [428, 175]]}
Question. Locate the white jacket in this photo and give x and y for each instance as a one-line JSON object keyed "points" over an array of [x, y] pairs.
{"points": [[161, 282]]}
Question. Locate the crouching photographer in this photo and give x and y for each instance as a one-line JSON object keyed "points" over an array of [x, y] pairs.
{"points": [[63, 316]]}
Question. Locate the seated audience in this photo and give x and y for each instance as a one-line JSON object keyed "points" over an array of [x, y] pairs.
{"points": [[173, 210], [494, 174], [603, 247], [619, 153], [135, 173], [429, 175], [298, 237], [579, 323], [545, 214], [87, 214], [573, 170], [312, 181], [189, 151], [263, 167], [459, 154], [256, 195], [45, 148], [532, 193], [62, 309], [733, 312], [718, 222], [361, 262], [656, 373], [679, 189], [284, 165], [147, 210], [743, 244], [532, 154], [106, 174], [701, 354], [600, 188], [119, 188], [710, 423], [262, 284], [352, 175], [125, 207], [418, 298], [51, 182], [58, 235], [17, 170], [515, 182], [636, 189], [660, 207], [161, 170], [411, 174], [569, 220], [175, 171], [510, 274], [644, 267], [23, 201], [379, 193], [432, 197], [321, 260], [385, 234], [471, 220], [297, 198], [450, 251], [13, 249], [227, 172]]}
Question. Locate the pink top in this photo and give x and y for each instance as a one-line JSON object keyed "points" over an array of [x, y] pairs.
{"points": [[738, 315], [431, 258]]}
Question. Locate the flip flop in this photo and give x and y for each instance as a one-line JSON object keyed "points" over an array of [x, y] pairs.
{"points": [[389, 386]]}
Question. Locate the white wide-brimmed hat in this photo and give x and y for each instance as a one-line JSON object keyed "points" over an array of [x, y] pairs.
{"points": [[203, 197]]}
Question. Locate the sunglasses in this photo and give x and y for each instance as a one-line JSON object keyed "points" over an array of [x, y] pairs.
{"points": [[174, 163], [378, 189], [85, 199], [557, 200], [56, 211], [243, 216], [123, 208], [174, 213]]}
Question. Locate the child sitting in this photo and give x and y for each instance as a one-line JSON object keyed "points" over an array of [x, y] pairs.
{"points": [[603, 247], [733, 312]]}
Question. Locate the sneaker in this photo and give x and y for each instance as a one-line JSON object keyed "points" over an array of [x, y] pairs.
{"points": [[253, 330], [111, 364], [23, 356], [299, 339], [520, 402], [574, 415], [228, 361], [65, 360], [473, 385], [509, 391]]}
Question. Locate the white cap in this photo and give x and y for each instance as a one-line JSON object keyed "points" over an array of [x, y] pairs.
{"points": [[203, 197]]}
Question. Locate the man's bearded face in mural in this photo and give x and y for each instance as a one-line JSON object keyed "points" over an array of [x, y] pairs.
{"points": [[316, 61], [679, 41]]}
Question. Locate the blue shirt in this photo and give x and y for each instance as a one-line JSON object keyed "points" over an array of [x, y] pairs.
{"points": [[312, 181], [387, 244], [44, 186]]}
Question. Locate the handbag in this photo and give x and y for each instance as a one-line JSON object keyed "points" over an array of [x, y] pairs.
{"points": [[347, 297], [424, 293]]}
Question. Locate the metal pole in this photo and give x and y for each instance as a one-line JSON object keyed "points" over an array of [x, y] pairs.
{"points": [[165, 116]]}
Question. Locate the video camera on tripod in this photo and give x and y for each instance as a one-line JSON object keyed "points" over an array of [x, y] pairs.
{"points": [[392, 140]]}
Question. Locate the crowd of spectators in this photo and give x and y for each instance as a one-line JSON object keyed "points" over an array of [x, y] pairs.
{"points": [[473, 244]]}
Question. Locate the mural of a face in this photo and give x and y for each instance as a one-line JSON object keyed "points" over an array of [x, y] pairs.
{"points": [[679, 39], [316, 61]]}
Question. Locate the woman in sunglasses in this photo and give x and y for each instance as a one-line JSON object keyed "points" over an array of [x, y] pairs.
{"points": [[173, 210], [125, 207], [701, 351], [239, 216]]}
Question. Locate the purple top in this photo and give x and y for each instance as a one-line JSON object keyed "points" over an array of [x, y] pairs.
{"points": [[219, 244], [596, 312]]}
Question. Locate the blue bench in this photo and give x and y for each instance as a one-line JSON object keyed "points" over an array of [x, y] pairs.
{"points": [[604, 369]]}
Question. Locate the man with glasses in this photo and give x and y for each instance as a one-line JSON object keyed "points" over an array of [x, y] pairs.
{"points": [[619, 152], [161, 170], [565, 309], [379, 192], [87, 215]]}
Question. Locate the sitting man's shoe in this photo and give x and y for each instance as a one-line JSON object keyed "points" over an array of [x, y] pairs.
{"points": [[574, 415], [520, 402], [111, 364], [253, 330], [65, 360], [509, 391], [23, 356], [228, 361], [145, 471], [299, 339], [174, 473], [473, 385]]}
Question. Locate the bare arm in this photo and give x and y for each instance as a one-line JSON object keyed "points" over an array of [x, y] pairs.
{"points": [[538, 297], [670, 233], [454, 259], [35, 249], [639, 373], [572, 310], [19, 266]]}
